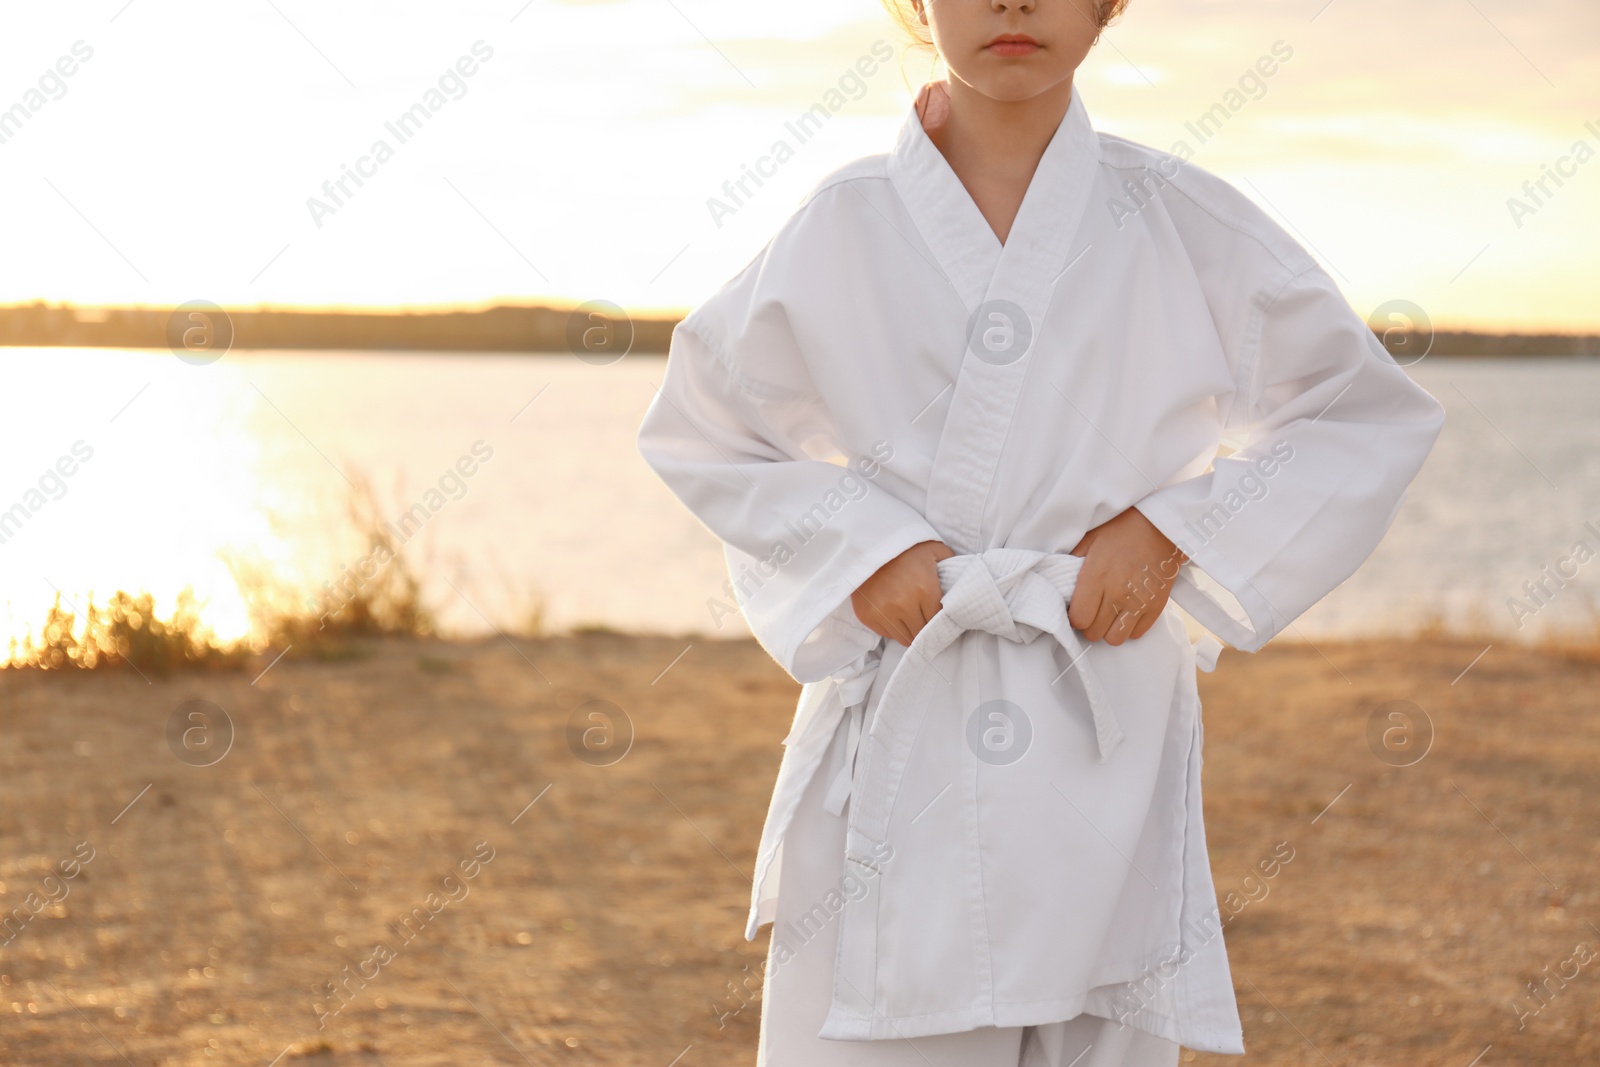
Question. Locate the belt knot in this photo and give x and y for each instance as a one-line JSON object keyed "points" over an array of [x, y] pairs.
{"points": [[1009, 592]]}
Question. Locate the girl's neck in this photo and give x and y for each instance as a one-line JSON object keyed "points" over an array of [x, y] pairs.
{"points": [[993, 146]]}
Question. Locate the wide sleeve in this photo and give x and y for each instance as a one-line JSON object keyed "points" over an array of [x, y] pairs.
{"points": [[1330, 433], [800, 533]]}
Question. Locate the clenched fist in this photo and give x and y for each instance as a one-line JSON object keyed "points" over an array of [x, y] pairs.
{"points": [[903, 594], [1128, 570]]}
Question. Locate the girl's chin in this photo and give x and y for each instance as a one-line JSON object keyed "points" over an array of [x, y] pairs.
{"points": [[1008, 93]]}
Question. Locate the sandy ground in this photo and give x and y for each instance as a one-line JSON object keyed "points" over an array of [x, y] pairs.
{"points": [[602, 924]]}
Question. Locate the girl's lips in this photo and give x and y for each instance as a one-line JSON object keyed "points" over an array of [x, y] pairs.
{"points": [[1013, 44]]}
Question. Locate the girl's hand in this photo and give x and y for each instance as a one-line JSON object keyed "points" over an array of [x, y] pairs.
{"points": [[900, 598], [1128, 570]]}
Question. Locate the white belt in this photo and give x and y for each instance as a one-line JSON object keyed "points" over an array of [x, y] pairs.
{"points": [[1012, 593]]}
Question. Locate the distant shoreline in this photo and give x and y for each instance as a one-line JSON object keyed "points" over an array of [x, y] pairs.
{"points": [[601, 332], [590, 331]]}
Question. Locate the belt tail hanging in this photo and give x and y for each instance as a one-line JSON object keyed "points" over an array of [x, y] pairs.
{"points": [[839, 789], [1107, 731]]}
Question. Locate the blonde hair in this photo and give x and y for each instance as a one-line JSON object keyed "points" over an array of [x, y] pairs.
{"points": [[905, 13]]}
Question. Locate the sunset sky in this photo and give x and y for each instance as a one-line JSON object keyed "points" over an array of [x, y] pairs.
{"points": [[577, 160]]}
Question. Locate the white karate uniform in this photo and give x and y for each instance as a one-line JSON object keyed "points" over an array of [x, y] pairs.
{"points": [[1023, 822]]}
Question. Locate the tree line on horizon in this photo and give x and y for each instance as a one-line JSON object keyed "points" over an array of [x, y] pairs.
{"points": [[533, 328]]}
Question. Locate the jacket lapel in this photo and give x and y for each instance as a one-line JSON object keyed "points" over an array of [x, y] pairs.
{"points": [[964, 248], [1006, 290]]}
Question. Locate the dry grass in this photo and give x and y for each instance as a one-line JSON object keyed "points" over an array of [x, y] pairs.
{"points": [[125, 632], [389, 603], [128, 632]]}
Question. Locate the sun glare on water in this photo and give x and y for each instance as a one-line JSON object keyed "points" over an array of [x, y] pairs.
{"points": [[149, 480]]}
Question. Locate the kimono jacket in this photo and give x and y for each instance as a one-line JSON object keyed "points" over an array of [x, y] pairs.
{"points": [[1025, 839]]}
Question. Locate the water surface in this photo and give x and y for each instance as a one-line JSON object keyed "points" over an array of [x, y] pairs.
{"points": [[248, 458]]}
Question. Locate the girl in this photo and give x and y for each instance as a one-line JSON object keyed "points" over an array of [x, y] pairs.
{"points": [[963, 426]]}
